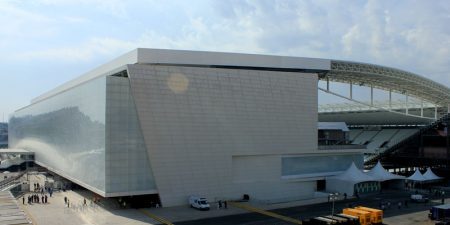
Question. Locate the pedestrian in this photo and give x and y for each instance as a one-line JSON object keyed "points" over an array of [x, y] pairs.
{"points": [[388, 205], [220, 204], [84, 201], [45, 198], [23, 200], [442, 200], [225, 204], [68, 203], [406, 203], [65, 200], [345, 196], [382, 207], [399, 205]]}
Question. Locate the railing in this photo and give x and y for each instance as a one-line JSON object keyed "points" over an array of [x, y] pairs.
{"points": [[373, 159], [340, 147], [10, 180]]}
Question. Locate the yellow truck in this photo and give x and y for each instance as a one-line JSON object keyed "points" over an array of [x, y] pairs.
{"points": [[364, 216], [376, 216]]}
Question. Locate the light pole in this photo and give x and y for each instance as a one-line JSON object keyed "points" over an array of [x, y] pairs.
{"points": [[333, 197]]}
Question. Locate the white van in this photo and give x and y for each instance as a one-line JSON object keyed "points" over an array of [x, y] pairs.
{"points": [[198, 203]]}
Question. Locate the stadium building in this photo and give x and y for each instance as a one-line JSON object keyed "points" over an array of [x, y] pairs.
{"points": [[219, 125]]}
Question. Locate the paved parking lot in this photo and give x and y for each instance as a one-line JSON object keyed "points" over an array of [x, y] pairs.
{"points": [[56, 212]]}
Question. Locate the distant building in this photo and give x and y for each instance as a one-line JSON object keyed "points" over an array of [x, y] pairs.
{"points": [[179, 123], [3, 135]]}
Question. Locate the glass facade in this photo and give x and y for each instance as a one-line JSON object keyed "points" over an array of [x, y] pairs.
{"points": [[127, 164], [90, 134], [318, 164], [67, 132]]}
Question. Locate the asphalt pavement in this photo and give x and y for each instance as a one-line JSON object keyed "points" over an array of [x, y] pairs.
{"points": [[304, 212]]}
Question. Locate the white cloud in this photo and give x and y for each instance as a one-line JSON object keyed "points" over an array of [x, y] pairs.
{"points": [[381, 32], [116, 8]]}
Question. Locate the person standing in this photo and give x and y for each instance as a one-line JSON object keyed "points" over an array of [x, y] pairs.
{"points": [[84, 201], [45, 198], [23, 200]]}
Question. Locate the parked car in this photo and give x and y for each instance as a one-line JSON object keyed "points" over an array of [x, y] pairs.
{"points": [[199, 203]]}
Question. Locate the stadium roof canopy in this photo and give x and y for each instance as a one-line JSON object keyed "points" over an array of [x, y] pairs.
{"points": [[389, 79]]}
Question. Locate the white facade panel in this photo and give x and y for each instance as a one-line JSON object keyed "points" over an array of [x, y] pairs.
{"points": [[195, 120]]}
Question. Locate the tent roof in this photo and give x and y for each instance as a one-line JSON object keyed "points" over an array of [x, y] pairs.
{"points": [[354, 175], [379, 173], [417, 176], [429, 175]]}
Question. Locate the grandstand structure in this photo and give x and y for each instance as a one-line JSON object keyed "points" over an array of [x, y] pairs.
{"points": [[402, 134]]}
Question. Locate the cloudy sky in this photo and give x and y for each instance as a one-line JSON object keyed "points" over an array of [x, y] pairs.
{"points": [[44, 43]]}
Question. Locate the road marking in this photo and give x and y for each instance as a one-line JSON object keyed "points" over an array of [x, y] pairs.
{"points": [[155, 217], [265, 212]]}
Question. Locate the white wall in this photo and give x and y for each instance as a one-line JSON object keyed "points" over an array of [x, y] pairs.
{"points": [[209, 130]]}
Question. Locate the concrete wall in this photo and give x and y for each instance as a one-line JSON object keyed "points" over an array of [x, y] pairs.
{"points": [[221, 133]]}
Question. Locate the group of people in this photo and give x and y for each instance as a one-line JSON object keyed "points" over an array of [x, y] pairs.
{"points": [[66, 202], [38, 197], [34, 198], [387, 205], [221, 204]]}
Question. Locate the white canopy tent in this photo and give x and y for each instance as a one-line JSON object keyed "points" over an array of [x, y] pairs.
{"points": [[345, 182], [430, 176], [380, 174], [417, 177]]}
